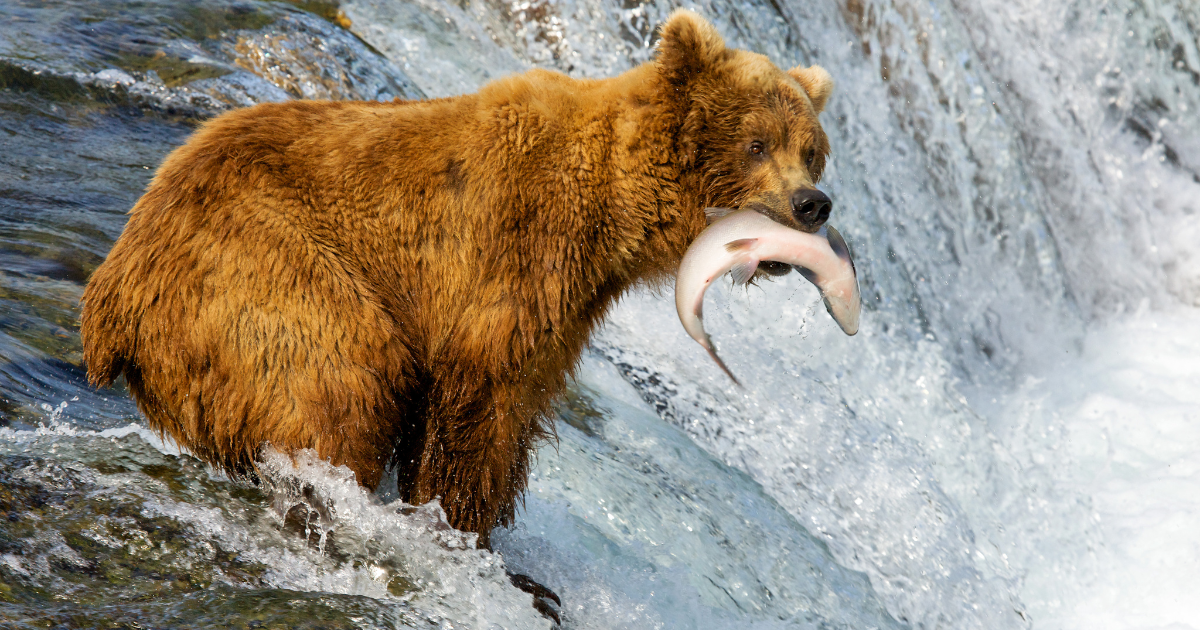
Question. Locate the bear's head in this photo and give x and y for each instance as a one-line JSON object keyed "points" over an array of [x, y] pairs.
{"points": [[750, 133]]}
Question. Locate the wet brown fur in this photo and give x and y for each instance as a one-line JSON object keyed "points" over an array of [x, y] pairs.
{"points": [[409, 284]]}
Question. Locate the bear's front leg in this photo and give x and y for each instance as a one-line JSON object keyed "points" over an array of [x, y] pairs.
{"points": [[479, 436]]}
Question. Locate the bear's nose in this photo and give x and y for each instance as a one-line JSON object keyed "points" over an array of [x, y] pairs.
{"points": [[810, 206]]}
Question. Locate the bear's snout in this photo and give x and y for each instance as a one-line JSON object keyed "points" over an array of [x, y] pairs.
{"points": [[811, 207]]}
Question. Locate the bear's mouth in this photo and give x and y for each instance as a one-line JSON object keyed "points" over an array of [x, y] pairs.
{"points": [[785, 214], [782, 218], [774, 268]]}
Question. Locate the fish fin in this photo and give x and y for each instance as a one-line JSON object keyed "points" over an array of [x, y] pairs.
{"points": [[839, 247], [743, 270], [741, 243], [808, 274], [714, 214]]}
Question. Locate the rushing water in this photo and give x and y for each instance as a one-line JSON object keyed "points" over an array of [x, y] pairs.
{"points": [[1012, 440]]}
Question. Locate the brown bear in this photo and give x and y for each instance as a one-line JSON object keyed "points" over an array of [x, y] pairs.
{"points": [[408, 285]]}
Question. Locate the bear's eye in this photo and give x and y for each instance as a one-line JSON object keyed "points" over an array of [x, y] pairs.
{"points": [[810, 158], [757, 148]]}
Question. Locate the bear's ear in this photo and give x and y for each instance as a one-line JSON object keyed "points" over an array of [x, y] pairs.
{"points": [[816, 82], [688, 45]]}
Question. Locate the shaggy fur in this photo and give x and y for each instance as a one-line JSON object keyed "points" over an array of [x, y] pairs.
{"points": [[409, 284]]}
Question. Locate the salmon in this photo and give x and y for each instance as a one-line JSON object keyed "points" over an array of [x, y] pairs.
{"points": [[737, 242]]}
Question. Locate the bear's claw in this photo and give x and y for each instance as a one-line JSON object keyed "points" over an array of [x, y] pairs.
{"points": [[543, 607], [540, 595]]}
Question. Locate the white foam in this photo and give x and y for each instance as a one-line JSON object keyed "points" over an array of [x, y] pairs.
{"points": [[55, 428], [453, 579], [1128, 408]]}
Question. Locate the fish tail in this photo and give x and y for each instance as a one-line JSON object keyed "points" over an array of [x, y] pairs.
{"points": [[713, 353]]}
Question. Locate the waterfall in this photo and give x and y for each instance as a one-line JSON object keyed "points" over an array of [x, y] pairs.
{"points": [[1009, 442]]}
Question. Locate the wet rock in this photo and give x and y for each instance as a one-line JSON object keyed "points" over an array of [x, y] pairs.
{"points": [[194, 60]]}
